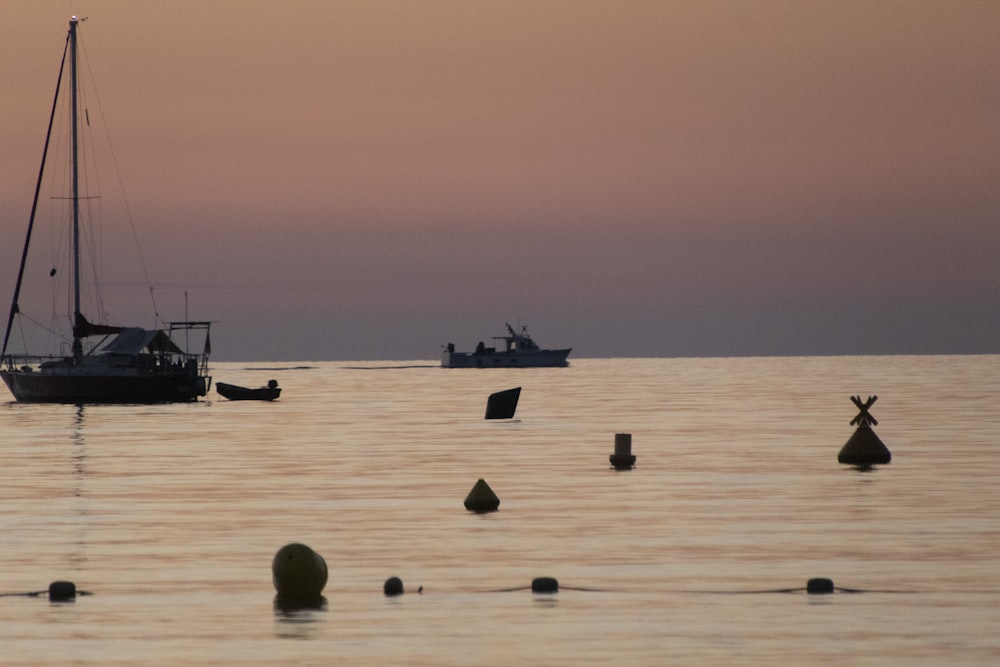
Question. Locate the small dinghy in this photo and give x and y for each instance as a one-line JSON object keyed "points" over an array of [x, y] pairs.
{"points": [[236, 393]]}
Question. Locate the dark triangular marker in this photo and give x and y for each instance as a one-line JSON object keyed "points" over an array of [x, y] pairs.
{"points": [[864, 449], [481, 498], [502, 404]]}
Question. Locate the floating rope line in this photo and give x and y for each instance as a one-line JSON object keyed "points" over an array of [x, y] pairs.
{"points": [[58, 591]]}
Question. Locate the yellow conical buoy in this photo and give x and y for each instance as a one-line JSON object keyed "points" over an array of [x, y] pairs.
{"points": [[864, 448], [481, 498]]}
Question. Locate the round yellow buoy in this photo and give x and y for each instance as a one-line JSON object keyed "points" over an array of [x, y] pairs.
{"points": [[298, 572], [393, 586]]}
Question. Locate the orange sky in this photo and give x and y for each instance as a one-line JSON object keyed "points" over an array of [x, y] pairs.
{"points": [[364, 180]]}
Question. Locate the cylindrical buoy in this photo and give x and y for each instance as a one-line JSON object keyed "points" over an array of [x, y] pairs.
{"points": [[819, 585], [481, 498], [60, 591], [622, 459], [544, 585], [393, 586], [298, 572]]}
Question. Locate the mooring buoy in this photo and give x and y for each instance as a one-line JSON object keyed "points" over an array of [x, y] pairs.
{"points": [[544, 585], [864, 448], [298, 573], [622, 459], [393, 586], [502, 404], [481, 498]]}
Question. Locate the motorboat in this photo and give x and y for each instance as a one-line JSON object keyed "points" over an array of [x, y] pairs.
{"points": [[515, 350]]}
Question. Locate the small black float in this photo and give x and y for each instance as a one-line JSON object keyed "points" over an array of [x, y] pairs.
{"points": [[502, 404], [58, 591], [864, 449], [623, 459], [544, 585], [393, 586], [62, 591], [299, 574], [481, 498], [819, 585]]}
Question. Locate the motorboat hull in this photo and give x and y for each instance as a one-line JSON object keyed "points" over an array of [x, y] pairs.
{"points": [[503, 359], [236, 393]]}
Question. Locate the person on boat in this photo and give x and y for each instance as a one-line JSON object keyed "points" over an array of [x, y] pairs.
{"points": [[481, 348], [272, 384]]}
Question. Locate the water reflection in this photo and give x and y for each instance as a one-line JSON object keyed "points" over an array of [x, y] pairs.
{"points": [[158, 508], [292, 605], [297, 618], [79, 448]]}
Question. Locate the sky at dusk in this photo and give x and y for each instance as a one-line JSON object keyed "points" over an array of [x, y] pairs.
{"points": [[360, 180]]}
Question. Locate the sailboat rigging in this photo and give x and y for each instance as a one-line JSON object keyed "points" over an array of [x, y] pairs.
{"points": [[106, 363]]}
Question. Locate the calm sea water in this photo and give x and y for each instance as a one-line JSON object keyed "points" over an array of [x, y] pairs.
{"points": [[170, 515]]}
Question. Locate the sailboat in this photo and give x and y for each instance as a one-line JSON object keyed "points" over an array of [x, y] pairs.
{"points": [[96, 362]]}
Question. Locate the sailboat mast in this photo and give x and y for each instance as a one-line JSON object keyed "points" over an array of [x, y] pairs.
{"points": [[77, 344]]}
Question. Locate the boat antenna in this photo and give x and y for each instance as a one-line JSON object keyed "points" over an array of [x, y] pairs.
{"points": [[157, 320], [14, 309]]}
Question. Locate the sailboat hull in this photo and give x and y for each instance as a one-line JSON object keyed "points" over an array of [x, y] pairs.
{"points": [[41, 387]]}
